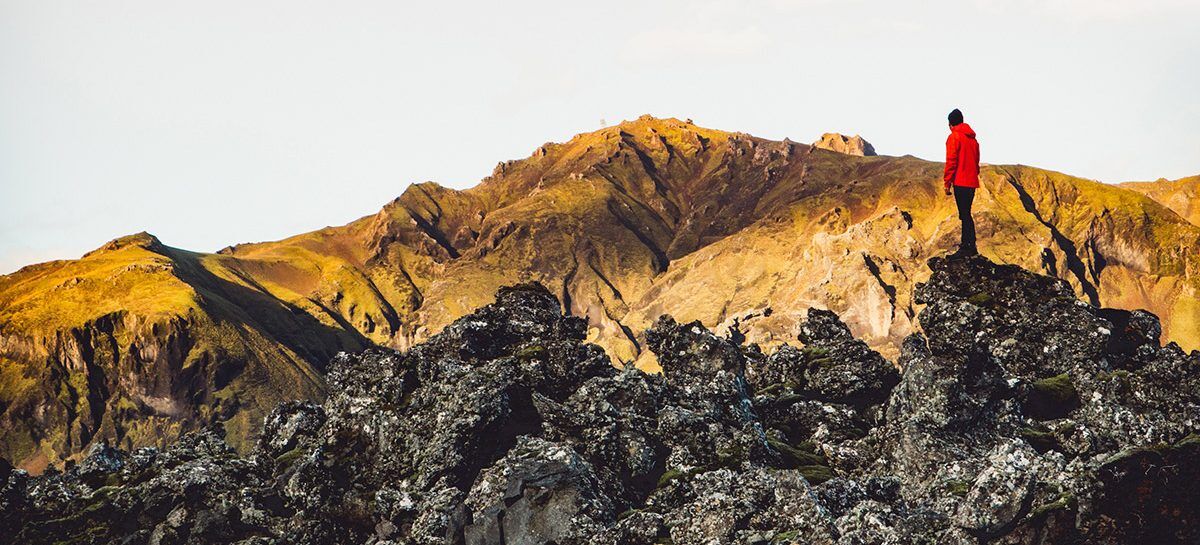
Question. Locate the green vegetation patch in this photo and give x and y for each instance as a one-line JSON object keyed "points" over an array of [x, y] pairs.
{"points": [[822, 362], [790, 536], [981, 299], [676, 474], [958, 488], [532, 352], [1109, 376], [814, 351], [816, 474], [794, 457], [1051, 398], [788, 399], [290, 457], [1064, 501], [771, 390], [1191, 439], [1041, 440]]}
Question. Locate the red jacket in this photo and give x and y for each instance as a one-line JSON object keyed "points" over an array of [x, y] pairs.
{"points": [[962, 157]]}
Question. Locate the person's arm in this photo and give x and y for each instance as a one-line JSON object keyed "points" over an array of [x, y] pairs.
{"points": [[951, 162], [977, 157]]}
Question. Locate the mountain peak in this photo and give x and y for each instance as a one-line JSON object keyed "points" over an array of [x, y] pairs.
{"points": [[647, 122], [850, 145], [647, 119], [141, 239]]}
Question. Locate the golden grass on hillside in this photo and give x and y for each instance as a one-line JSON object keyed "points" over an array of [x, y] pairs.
{"points": [[130, 279]]}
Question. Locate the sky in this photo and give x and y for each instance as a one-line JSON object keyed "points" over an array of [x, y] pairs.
{"points": [[218, 122]]}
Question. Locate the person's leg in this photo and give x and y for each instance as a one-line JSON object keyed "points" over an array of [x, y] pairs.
{"points": [[963, 197]]}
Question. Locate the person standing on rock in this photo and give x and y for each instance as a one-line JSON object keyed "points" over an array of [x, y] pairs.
{"points": [[962, 175]]}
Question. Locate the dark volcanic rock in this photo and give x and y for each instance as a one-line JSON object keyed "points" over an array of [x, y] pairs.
{"points": [[1021, 416]]}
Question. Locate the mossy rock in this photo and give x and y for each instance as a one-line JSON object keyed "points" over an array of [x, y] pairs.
{"points": [[289, 458], [814, 352], [1109, 376], [807, 446], [1188, 440], [628, 513], [857, 430], [668, 476], [1051, 398], [788, 399], [770, 390], [822, 363], [105, 492], [816, 474], [532, 352], [1041, 440], [981, 299], [794, 457], [672, 475], [94, 534], [1064, 501], [958, 488], [731, 458], [790, 536], [102, 480]]}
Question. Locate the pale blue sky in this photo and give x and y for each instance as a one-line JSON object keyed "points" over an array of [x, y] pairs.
{"points": [[216, 122]]}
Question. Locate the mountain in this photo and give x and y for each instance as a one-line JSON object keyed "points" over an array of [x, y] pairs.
{"points": [[1022, 415], [1182, 195], [137, 342]]}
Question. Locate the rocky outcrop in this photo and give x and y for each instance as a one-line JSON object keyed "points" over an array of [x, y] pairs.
{"points": [[849, 145], [1020, 415]]}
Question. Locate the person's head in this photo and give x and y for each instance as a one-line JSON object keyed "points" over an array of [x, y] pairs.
{"points": [[955, 117]]}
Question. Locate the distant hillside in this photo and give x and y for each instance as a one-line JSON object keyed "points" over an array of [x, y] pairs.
{"points": [[1182, 195], [138, 341]]}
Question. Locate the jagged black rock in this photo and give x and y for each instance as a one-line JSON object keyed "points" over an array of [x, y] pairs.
{"points": [[1021, 416]]}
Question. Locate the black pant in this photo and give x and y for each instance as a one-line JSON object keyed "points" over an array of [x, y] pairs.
{"points": [[963, 196]]}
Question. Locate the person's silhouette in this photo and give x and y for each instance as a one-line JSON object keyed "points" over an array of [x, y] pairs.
{"points": [[962, 174]]}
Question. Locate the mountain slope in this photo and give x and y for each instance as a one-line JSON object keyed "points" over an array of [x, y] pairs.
{"points": [[1182, 195], [623, 224], [136, 342]]}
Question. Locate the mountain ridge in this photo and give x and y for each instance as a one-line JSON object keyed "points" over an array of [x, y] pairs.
{"points": [[1179, 195]]}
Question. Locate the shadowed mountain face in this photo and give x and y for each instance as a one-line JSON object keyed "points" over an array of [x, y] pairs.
{"points": [[138, 341]]}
